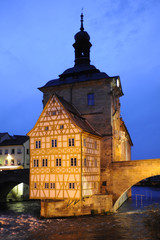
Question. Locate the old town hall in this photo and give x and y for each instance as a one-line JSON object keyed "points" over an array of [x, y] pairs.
{"points": [[78, 134]]}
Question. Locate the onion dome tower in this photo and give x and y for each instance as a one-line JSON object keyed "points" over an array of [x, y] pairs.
{"points": [[82, 46]]}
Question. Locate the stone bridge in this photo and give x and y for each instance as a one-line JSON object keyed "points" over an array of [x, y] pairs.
{"points": [[123, 175], [9, 179]]}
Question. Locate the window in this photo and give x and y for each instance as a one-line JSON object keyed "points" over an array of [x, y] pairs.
{"points": [[95, 162], [44, 163], [84, 142], [12, 162], [46, 128], [90, 99], [46, 185], [6, 162], [71, 185], [35, 185], [85, 162], [54, 113], [61, 126], [0, 152], [54, 142], [38, 144], [73, 162], [58, 162], [12, 151], [52, 185], [19, 151], [18, 162], [27, 151], [6, 151], [35, 163], [71, 142], [95, 144]]}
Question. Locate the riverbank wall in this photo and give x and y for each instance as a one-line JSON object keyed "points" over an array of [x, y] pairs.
{"points": [[97, 204]]}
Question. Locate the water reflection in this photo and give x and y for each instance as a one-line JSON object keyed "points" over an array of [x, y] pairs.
{"points": [[21, 221]]}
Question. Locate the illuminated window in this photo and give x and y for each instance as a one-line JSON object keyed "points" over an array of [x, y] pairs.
{"points": [[71, 185], [46, 185], [44, 162], [35, 163], [54, 142], [58, 162], [85, 162], [1, 152], [52, 185], [71, 142], [38, 144], [90, 99]]}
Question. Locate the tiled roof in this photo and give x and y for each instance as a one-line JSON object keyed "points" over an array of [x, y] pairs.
{"points": [[15, 140], [75, 115]]}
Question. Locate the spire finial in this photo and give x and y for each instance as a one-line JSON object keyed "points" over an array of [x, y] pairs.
{"points": [[82, 28]]}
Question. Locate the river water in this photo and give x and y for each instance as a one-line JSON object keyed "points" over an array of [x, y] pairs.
{"points": [[21, 221]]}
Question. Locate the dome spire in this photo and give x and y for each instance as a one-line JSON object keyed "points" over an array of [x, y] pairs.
{"points": [[82, 28], [82, 46]]}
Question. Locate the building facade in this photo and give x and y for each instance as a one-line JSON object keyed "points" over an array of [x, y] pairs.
{"points": [[94, 96], [14, 154]]}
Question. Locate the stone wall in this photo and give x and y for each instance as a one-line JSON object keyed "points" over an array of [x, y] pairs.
{"points": [[97, 204]]}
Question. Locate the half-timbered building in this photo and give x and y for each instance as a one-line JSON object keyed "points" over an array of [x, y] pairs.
{"points": [[65, 154]]}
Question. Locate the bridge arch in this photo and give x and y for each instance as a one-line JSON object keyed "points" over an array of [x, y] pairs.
{"points": [[11, 178], [127, 174]]}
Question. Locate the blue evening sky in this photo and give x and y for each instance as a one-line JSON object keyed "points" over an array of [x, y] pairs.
{"points": [[36, 38]]}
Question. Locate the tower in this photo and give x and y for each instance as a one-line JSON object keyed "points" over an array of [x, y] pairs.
{"points": [[96, 95]]}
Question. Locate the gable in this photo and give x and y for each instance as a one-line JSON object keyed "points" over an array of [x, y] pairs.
{"points": [[54, 120]]}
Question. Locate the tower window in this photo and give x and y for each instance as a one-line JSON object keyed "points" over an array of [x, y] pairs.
{"points": [[90, 99]]}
